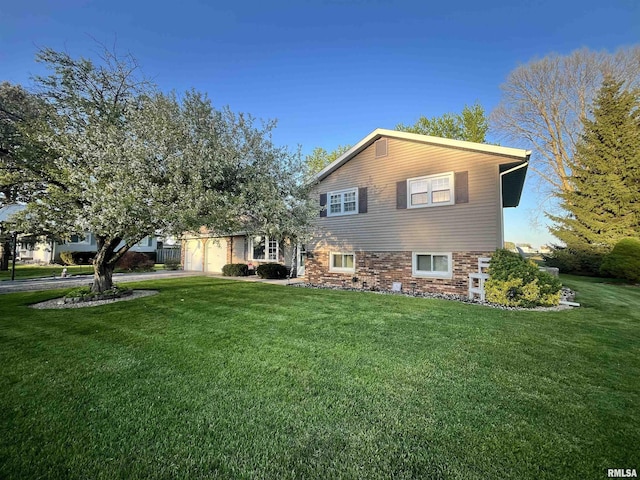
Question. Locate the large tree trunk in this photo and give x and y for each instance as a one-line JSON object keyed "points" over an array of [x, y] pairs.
{"points": [[102, 276], [104, 263]]}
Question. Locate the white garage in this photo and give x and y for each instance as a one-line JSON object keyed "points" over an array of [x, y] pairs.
{"points": [[193, 255], [215, 255], [206, 254]]}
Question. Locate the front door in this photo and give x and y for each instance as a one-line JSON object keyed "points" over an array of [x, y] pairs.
{"points": [[300, 258]]}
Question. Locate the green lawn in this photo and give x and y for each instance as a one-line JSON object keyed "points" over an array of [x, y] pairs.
{"points": [[215, 378], [24, 272]]}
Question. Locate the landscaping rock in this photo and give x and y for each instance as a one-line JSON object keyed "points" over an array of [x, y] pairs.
{"points": [[59, 303], [441, 296]]}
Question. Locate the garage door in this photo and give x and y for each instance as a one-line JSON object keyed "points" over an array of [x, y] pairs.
{"points": [[193, 256], [216, 255]]}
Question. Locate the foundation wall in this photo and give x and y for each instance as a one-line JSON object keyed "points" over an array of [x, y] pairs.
{"points": [[381, 269]]}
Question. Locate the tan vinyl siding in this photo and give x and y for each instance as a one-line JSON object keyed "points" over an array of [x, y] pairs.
{"points": [[473, 226], [238, 250]]}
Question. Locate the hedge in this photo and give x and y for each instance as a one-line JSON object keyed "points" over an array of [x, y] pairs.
{"points": [[517, 282], [135, 262], [235, 270], [623, 261], [272, 271]]}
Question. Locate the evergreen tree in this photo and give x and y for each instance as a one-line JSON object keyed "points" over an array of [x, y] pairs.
{"points": [[603, 204]]}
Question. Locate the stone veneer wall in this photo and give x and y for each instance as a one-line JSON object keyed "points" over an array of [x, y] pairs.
{"points": [[381, 269]]}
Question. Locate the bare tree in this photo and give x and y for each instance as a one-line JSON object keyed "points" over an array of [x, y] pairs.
{"points": [[545, 100]]}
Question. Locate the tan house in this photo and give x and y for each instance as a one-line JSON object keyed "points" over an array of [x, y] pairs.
{"points": [[402, 210], [45, 251], [205, 252]]}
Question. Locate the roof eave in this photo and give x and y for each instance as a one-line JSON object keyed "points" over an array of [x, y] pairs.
{"points": [[523, 155], [512, 176]]}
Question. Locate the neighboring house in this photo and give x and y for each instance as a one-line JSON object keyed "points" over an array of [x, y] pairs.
{"points": [[7, 211], [49, 252], [526, 248], [44, 251], [545, 249], [412, 209]]}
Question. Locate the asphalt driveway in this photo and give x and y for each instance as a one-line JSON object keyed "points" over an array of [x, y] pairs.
{"points": [[81, 280]]}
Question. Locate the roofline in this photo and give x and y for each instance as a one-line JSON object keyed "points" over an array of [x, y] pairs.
{"points": [[416, 137]]}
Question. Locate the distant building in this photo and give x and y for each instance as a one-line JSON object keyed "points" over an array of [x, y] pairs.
{"points": [[545, 249], [526, 248], [49, 252]]}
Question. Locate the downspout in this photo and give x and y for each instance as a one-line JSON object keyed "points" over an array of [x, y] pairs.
{"points": [[522, 165]]}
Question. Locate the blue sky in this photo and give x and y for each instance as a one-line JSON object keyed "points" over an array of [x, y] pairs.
{"points": [[330, 71]]}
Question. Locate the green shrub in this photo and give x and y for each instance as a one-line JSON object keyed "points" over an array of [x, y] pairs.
{"points": [[135, 262], [84, 294], [77, 258], [172, 264], [235, 270], [272, 271], [517, 282], [67, 258], [578, 261], [623, 261], [80, 292]]}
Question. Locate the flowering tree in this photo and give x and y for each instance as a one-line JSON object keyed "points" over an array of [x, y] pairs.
{"points": [[122, 160]]}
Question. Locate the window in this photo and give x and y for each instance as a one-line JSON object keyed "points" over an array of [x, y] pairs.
{"points": [[430, 191], [342, 262], [145, 242], [344, 202], [83, 239], [264, 248], [432, 265]]}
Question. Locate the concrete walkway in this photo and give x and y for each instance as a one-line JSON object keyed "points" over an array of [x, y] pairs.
{"points": [[37, 284]]}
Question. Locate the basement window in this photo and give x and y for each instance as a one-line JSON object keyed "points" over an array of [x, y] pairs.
{"points": [[342, 262], [436, 265]]}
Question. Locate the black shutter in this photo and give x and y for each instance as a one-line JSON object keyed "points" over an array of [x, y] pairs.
{"points": [[362, 200], [323, 204], [461, 180], [401, 194]]}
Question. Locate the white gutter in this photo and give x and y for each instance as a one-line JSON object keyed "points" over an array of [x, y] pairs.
{"points": [[518, 167]]}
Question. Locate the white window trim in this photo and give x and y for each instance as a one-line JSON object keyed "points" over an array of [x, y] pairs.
{"points": [[86, 240], [267, 239], [424, 274], [145, 242], [452, 199], [341, 270], [341, 193]]}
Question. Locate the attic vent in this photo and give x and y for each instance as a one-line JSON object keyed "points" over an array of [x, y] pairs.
{"points": [[381, 148]]}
